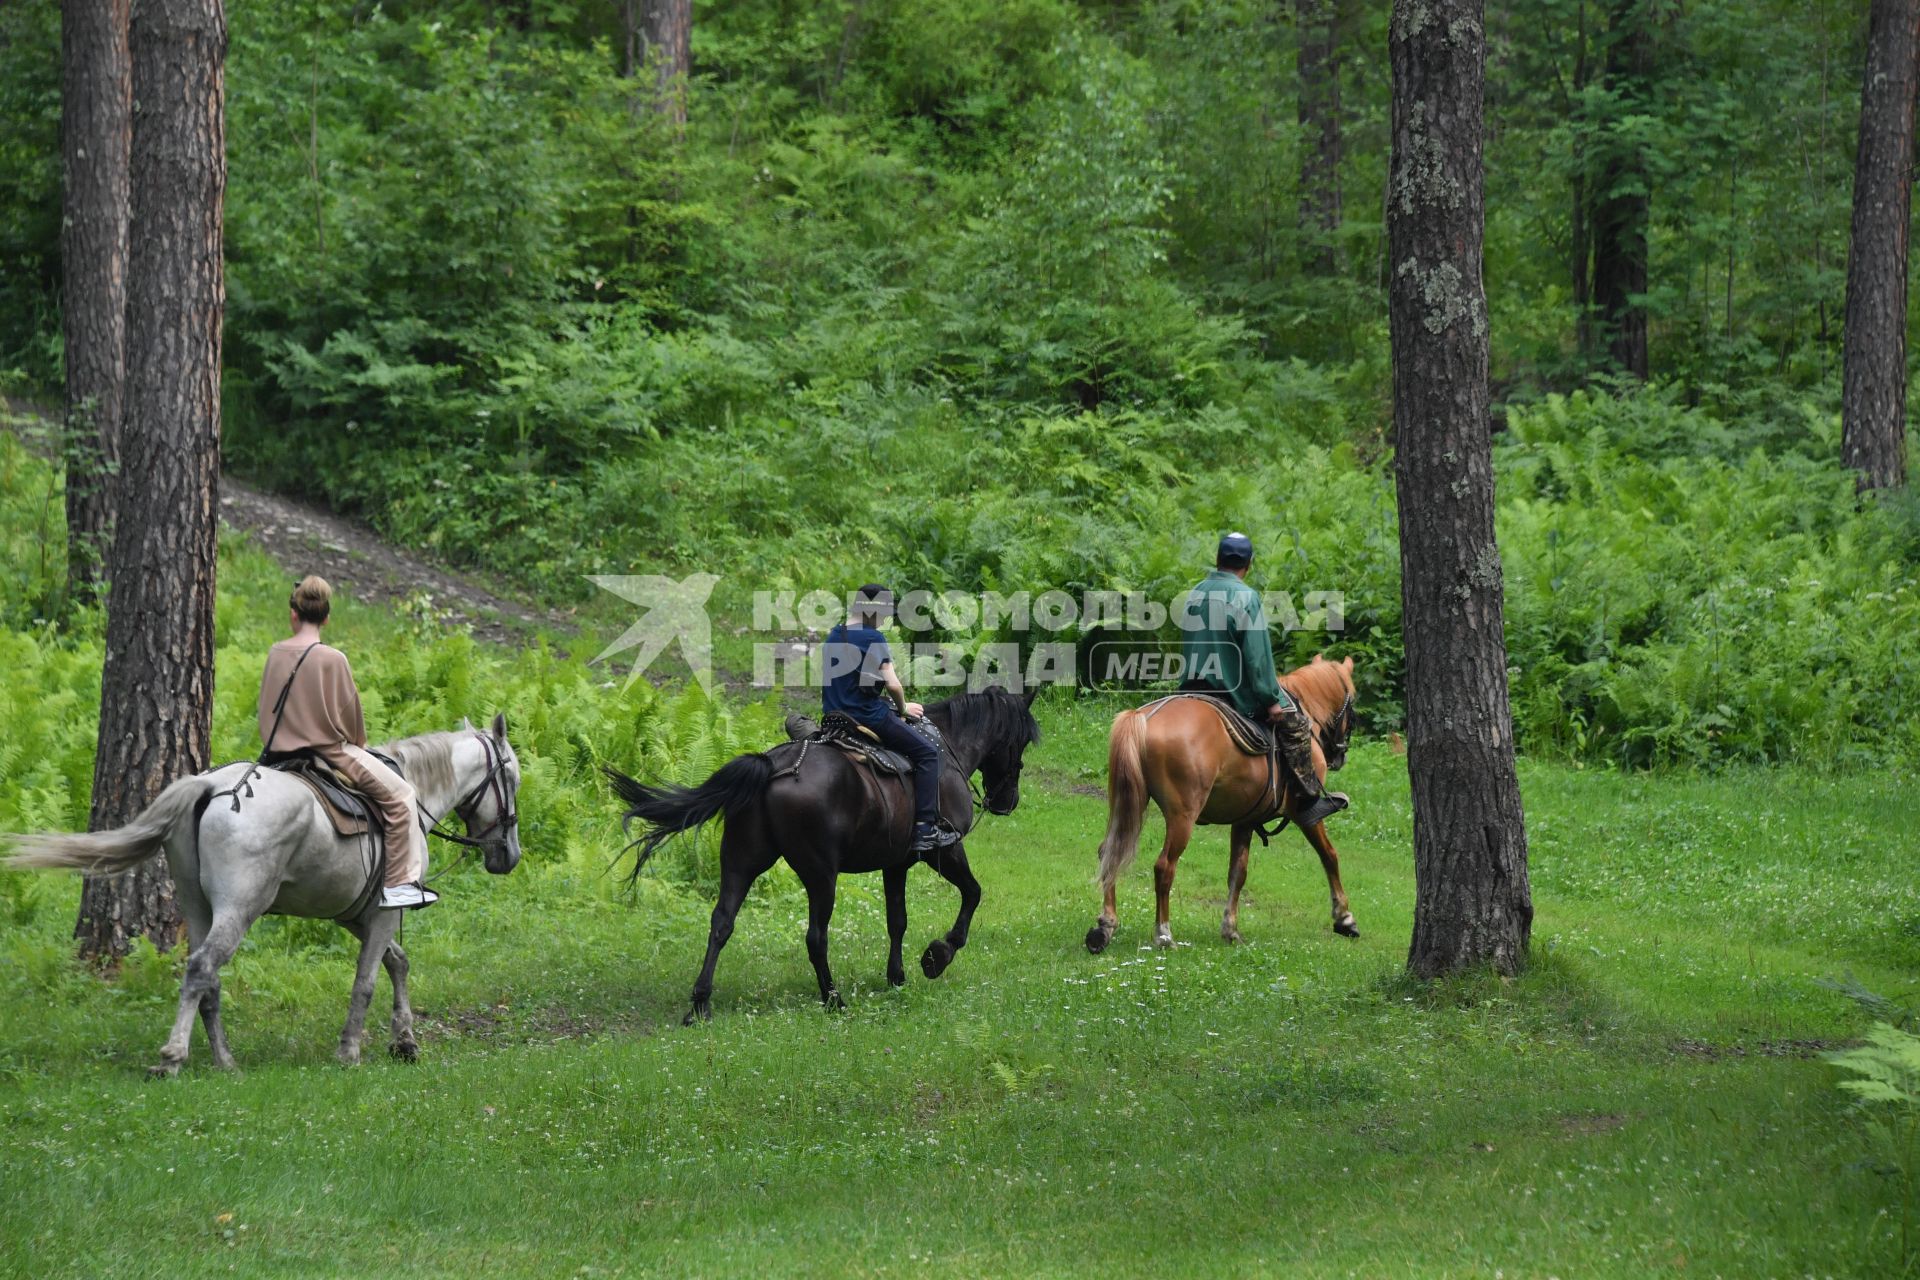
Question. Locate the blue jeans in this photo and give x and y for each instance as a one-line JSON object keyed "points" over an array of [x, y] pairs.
{"points": [[925, 757]]}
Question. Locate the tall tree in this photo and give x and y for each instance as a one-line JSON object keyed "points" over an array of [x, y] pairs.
{"points": [[1473, 903], [96, 129], [157, 688], [1318, 67], [659, 44], [1873, 400], [1623, 200]]}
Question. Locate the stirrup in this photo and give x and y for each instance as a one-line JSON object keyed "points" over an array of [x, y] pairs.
{"points": [[407, 897], [1320, 808]]}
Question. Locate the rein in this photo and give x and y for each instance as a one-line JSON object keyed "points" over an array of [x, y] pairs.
{"points": [[504, 812]]}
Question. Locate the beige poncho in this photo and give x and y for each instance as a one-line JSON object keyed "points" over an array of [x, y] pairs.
{"points": [[323, 707]]}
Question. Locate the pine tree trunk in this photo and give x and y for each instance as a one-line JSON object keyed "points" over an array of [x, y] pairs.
{"points": [[96, 129], [1623, 203], [666, 46], [156, 697], [1473, 903], [1318, 66], [1873, 402]]}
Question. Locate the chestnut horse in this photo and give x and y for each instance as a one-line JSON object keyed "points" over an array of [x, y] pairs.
{"points": [[1177, 752]]}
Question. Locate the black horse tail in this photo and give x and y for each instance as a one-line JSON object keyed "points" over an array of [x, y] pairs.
{"points": [[667, 810]]}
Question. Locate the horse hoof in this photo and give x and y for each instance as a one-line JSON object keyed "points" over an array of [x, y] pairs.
{"points": [[701, 1012], [404, 1051], [1347, 928], [1164, 938], [898, 978], [163, 1071], [1097, 939], [835, 1004], [935, 959], [348, 1058], [1230, 935]]}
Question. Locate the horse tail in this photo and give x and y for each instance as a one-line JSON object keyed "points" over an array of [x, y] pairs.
{"points": [[108, 852], [667, 810], [1126, 796]]}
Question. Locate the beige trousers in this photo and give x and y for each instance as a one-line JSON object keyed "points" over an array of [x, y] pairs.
{"points": [[392, 795]]}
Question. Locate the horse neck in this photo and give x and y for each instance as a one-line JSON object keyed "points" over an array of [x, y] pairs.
{"points": [[437, 796], [1319, 704], [966, 752]]}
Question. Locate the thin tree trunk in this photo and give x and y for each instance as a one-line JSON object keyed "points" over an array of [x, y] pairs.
{"points": [[1473, 904], [1623, 202], [1873, 398], [1318, 66], [666, 46], [96, 130], [156, 697], [1582, 256]]}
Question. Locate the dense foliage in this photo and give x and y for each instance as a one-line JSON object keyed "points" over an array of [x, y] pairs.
{"points": [[990, 295]]}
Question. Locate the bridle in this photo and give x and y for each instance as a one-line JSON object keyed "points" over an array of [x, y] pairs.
{"points": [[493, 784]]}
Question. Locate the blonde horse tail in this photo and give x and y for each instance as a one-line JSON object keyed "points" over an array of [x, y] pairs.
{"points": [[107, 852], [1126, 796]]}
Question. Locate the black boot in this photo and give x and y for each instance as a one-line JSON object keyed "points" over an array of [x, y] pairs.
{"points": [[928, 836]]}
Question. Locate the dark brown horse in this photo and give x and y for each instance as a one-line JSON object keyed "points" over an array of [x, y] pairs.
{"points": [[825, 814], [1177, 752]]}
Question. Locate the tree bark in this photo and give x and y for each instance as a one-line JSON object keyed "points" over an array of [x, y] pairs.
{"points": [[156, 697], [1873, 400], [96, 130], [666, 49], [1318, 66], [1582, 236], [1623, 201], [1473, 905]]}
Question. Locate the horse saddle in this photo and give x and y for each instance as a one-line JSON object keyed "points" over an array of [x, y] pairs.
{"points": [[858, 741], [1252, 739], [350, 812]]}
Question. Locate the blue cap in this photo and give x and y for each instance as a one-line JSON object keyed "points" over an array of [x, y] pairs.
{"points": [[1236, 549]]}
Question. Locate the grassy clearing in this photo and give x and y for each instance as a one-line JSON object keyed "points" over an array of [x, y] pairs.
{"points": [[1647, 1099]]}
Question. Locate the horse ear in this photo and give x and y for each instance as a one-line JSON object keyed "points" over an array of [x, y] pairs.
{"points": [[466, 724], [1032, 693], [1319, 657], [1348, 664], [500, 727]]}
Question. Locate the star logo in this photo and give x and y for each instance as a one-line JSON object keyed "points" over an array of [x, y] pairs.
{"points": [[675, 612]]}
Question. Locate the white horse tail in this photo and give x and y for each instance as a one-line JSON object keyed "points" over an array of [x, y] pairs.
{"points": [[107, 852]]}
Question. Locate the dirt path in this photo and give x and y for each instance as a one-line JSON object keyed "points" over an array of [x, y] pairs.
{"points": [[307, 539]]}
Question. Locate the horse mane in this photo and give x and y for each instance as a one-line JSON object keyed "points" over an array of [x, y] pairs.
{"points": [[427, 760], [993, 715], [1320, 682]]}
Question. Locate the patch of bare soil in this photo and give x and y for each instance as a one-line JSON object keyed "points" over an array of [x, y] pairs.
{"points": [[306, 539], [542, 1025], [1709, 1052]]}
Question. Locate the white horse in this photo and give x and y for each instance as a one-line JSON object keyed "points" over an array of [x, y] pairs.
{"points": [[268, 848]]}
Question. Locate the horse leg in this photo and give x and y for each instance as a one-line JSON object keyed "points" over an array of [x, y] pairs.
{"points": [[199, 918], [740, 866], [820, 894], [200, 991], [952, 864], [1241, 848], [1330, 861], [376, 930], [1179, 831], [895, 879], [402, 1046]]}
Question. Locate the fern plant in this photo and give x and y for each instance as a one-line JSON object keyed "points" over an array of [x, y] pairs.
{"points": [[1886, 1079]]}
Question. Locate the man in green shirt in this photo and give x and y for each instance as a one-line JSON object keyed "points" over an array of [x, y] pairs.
{"points": [[1225, 651]]}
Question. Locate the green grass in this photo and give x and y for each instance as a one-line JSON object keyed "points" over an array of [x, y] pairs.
{"points": [[1647, 1099]]}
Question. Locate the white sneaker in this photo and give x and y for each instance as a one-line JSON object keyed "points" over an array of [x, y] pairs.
{"points": [[408, 895]]}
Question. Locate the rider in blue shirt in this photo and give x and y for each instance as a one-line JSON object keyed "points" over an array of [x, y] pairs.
{"points": [[862, 685]]}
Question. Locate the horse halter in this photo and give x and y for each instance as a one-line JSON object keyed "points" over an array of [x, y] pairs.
{"points": [[505, 815]]}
